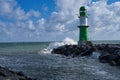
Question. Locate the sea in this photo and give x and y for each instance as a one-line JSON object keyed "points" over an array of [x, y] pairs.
{"points": [[36, 60]]}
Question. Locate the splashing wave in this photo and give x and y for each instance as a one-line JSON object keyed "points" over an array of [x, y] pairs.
{"points": [[66, 41]]}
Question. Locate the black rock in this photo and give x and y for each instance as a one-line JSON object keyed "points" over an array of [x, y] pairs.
{"points": [[118, 62], [110, 53], [112, 63], [2, 74], [73, 50], [87, 52], [20, 73], [6, 74], [104, 57]]}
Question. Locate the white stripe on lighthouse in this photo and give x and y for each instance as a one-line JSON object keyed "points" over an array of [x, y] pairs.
{"points": [[83, 21]]}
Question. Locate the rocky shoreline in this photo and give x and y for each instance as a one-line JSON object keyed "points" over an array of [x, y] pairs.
{"points": [[109, 53], [6, 74]]}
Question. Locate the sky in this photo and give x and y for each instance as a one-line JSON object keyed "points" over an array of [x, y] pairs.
{"points": [[54, 20]]}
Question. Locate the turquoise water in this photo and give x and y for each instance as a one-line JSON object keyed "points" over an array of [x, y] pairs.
{"points": [[27, 57], [26, 46]]}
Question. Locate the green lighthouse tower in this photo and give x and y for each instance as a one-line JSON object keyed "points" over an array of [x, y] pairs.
{"points": [[83, 35]]}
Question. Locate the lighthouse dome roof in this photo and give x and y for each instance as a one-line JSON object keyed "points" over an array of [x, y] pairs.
{"points": [[83, 8]]}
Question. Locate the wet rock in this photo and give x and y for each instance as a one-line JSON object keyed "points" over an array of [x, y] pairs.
{"points": [[88, 51], [20, 73], [104, 57], [6, 74], [109, 53], [73, 50], [2, 74], [117, 52], [112, 63], [118, 62]]}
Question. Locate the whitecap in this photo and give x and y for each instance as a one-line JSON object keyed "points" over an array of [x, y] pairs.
{"points": [[45, 51], [95, 55], [66, 41]]}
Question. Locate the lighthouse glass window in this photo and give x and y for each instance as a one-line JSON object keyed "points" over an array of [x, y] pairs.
{"points": [[83, 21]]}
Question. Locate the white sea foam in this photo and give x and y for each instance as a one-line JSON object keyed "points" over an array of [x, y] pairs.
{"points": [[95, 55], [66, 41], [45, 51]]}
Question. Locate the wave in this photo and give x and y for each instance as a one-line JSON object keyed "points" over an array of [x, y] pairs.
{"points": [[66, 41], [95, 55]]}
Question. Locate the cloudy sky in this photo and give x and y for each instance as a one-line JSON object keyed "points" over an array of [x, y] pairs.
{"points": [[53, 20]]}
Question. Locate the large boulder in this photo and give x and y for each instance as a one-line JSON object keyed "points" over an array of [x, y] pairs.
{"points": [[116, 57], [104, 57], [112, 58]]}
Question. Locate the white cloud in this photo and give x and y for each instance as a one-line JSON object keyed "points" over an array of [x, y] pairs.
{"points": [[15, 22], [103, 18], [33, 13], [11, 10], [41, 22], [31, 25], [6, 6], [104, 21]]}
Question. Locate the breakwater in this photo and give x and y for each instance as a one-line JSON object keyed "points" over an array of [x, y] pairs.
{"points": [[109, 53]]}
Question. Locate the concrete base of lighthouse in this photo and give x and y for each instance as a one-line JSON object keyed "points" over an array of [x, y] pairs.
{"points": [[81, 43], [84, 43]]}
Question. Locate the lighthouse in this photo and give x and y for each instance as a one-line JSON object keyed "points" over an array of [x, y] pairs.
{"points": [[83, 27]]}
